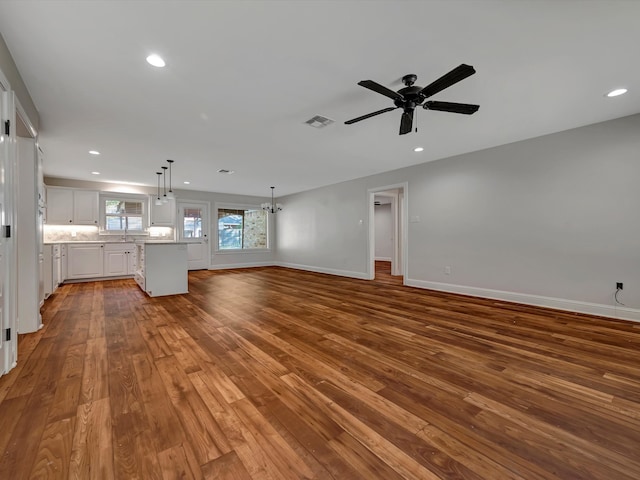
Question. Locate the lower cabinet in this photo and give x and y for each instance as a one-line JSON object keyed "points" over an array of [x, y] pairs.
{"points": [[85, 260], [119, 259]]}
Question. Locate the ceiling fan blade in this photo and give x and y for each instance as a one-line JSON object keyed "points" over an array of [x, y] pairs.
{"points": [[464, 108], [406, 122], [369, 115], [454, 76], [381, 89]]}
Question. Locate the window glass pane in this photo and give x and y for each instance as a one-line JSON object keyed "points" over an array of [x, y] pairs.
{"points": [[192, 223], [229, 230], [255, 229], [242, 229], [112, 206], [133, 208], [123, 214], [134, 223], [114, 222]]}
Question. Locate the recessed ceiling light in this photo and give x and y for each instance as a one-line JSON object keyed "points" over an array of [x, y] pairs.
{"points": [[616, 92], [95, 173], [187, 183], [94, 152], [418, 149], [155, 60]]}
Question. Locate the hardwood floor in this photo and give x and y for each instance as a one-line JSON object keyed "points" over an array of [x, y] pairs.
{"points": [[383, 274], [271, 373]]}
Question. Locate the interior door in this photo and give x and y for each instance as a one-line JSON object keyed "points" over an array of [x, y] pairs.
{"points": [[193, 229]]}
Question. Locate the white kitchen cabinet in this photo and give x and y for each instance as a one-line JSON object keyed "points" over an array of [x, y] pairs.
{"points": [[118, 259], [47, 270], [162, 215], [85, 260], [162, 268], [66, 206], [63, 262], [52, 267], [59, 206], [56, 267], [85, 207]]}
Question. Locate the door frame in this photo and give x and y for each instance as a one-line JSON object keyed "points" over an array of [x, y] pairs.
{"points": [[399, 213], [180, 203], [9, 297]]}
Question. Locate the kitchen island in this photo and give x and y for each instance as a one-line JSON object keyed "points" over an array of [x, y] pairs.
{"points": [[162, 268]]}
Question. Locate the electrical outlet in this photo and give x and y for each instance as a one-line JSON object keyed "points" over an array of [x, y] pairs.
{"points": [[447, 270], [619, 286]]}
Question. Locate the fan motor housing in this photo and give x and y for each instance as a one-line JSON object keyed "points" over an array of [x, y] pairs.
{"points": [[411, 95]]}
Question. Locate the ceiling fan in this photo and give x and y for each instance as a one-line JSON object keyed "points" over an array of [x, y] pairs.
{"points": [[410, 97]]}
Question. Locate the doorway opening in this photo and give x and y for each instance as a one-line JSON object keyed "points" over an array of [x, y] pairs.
{"points": [[387, 234]]}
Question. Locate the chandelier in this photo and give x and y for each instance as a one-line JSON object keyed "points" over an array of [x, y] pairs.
{"points": [[271, 207]]}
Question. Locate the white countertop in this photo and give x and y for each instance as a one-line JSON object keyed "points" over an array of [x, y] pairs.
{"points": [[73, 242]]}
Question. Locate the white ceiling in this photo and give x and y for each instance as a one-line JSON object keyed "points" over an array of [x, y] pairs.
{"points": [[242, 77]]}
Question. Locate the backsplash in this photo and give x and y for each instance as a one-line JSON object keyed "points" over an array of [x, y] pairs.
{"points": [[81, 233]]}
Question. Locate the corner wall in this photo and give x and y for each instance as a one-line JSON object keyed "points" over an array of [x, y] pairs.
{"points": [[549, 221], [9, 69]]}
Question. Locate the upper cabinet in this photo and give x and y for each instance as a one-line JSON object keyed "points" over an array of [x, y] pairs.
{"points": [[85, 207], [66, 206], [59, 206], [162, 215]]}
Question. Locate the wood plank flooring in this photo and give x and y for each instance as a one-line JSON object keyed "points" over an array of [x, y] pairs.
{"points": [[272, 373]]}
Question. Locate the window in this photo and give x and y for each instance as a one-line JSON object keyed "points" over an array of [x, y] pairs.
{"points": [[242, 228], [123, 214], [192, 222]]}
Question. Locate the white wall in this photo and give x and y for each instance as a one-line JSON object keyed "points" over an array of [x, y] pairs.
{"points": [[550, 220], [325, 230], [383, 232]]}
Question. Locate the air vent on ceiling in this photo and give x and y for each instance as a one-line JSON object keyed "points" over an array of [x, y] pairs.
{"points": [[224, 170], [319, 121]]}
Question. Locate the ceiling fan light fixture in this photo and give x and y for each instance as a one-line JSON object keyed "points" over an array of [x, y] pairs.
{"points": [[617, 92], [155, 60], [412, 96]]}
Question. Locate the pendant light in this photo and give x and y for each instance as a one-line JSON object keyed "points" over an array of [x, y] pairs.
{"points": [[170, 192], [271, 207], [158, 199], [164, 178]]}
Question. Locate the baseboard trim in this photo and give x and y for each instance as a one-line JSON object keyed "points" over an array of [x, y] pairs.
{"points": [[620, 313], [230, 266], [330, 271]]}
